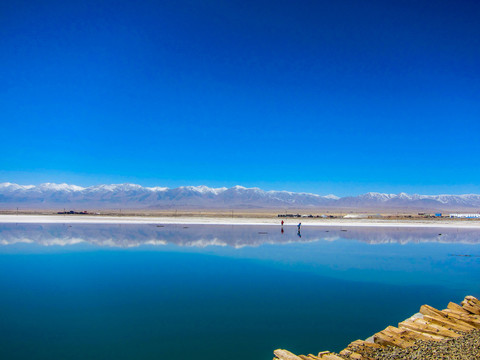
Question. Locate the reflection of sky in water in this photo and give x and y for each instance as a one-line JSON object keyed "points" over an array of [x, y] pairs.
{"points": [[148, 292], [131, 235], [393, 255]]}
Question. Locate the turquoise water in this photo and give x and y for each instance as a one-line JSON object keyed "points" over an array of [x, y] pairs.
{"points": [[218, 292]]}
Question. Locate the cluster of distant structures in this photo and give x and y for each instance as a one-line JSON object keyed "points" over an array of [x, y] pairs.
{"points": [[323, 216], [73, 212], [465, 216], [453, 216], [351, 216], [376, 216], [305, 216]]}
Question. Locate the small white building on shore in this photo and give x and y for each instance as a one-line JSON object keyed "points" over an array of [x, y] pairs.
{"points": [[465, 216]]}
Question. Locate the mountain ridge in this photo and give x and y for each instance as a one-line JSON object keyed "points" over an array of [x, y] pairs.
{"points": [[127, 195]]}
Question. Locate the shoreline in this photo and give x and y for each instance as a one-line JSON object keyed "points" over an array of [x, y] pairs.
{"points": [[430, 334], [215, 220]]}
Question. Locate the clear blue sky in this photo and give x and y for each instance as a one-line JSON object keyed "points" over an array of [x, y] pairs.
{"points": [[336, 97]]}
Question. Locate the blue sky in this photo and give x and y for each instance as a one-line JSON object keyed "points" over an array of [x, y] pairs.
{"points": [[336, 97]]}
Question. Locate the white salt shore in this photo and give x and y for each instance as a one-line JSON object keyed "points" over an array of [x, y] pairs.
{"points": [[86, 219]]}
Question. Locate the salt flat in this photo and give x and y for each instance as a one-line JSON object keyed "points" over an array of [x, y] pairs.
{"points": [[86, 219]]}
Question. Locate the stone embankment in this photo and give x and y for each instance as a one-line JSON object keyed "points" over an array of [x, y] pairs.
{"points": [[452, 333]]}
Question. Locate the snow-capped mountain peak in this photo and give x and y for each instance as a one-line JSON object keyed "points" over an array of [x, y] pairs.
{"points": [[58, 187], [331, 196], [7, 186], [157, 188]]}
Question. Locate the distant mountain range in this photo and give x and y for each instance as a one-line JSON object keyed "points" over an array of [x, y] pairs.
{"points": [[131, 196]]}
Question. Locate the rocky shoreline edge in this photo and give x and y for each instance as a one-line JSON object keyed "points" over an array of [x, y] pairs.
{"points": [[452, 333]]}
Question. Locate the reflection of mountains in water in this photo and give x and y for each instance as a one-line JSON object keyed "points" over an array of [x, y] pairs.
{"points": [[132, 235], [413, 235]]}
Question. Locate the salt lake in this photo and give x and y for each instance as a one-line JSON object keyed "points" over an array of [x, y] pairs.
{"points": [[158, 291]]}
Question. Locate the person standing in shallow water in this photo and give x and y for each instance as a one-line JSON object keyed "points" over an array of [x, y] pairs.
{"points": [[298, 226], [282, 222]]}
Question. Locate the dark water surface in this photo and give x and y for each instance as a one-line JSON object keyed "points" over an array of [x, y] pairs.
{"points": [[218, 292]]}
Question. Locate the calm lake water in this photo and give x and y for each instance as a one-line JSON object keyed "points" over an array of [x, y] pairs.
{"points": [[218, 292]]}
